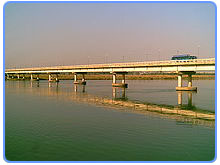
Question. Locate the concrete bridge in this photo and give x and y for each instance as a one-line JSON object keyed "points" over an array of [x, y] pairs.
{"points": [[180, 67]]}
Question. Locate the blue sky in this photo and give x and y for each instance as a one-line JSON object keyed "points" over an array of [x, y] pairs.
{"points": [[46, 34]]}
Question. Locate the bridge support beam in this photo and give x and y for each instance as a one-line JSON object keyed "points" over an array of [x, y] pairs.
{"points": [[51, 78], [56, 78], [82, 82], [32, 77], [123, 79], [189, 80], [75, 78], [180, 83], [83, 78], [122, 84], [189, 87], [38, 77], [7, 77], [114, 78]]}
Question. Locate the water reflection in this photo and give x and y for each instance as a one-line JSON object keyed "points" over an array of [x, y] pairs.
{"points": [[189, 104], [189, 98], [79, 88], [119, 93], [32, 83], [53, 84], [77, 93]]}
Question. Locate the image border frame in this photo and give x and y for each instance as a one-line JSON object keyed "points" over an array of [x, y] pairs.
{"points": [[210, 2]]}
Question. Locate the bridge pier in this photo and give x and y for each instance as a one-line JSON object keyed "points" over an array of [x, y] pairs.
{"points": [[32, 77], [83, 78], [38, 77], [189, 87], [20, 76], [114, 79], [180, 83], [51, 79], [75, 78], [7, 76], [82, 82], [56, 78]]}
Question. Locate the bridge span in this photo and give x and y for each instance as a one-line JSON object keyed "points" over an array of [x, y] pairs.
{"points": [[180, 67]]}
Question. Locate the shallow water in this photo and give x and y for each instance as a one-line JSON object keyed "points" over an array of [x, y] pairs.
{"points": [[60, 122]]}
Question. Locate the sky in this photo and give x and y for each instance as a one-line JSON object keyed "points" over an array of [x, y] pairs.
{"points": [[51, 34]]}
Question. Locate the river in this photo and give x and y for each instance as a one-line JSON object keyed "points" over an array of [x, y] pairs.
{"points": [[65, 122]]}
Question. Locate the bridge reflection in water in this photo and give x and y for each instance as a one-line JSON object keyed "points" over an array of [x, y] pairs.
{"points": [[77, 87], [184, 113], [189, 104]]}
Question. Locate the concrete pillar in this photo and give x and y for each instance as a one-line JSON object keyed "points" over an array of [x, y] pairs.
{"points": [[179, 95], [75, 77], [18, 76], [189, 80], [180, 81], [56, 78], [123, 79], [83, 77], [31, 77], [114, 78], [50, 77]]}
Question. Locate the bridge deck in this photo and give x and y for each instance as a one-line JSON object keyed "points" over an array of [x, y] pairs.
{"points": [[170, 63]]}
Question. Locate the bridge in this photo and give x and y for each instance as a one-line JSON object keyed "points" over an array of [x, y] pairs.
{"points": [[180, 67]]}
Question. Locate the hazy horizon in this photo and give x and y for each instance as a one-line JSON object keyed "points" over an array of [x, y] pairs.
{"points": [[46, 34]]}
